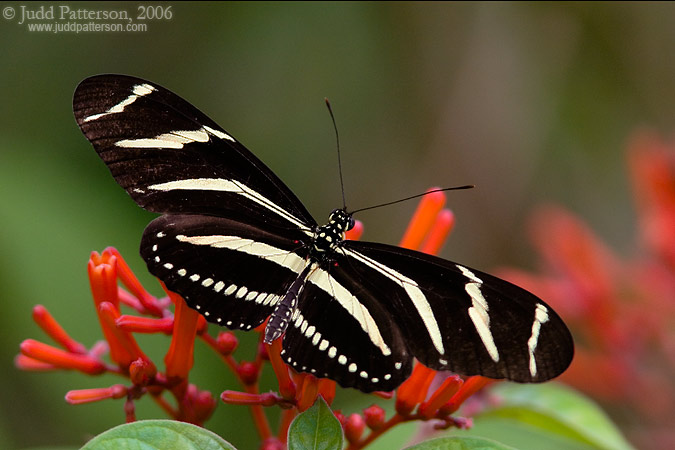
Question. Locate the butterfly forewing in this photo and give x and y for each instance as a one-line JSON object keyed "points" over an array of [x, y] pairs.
{"points": [[238, 245], [171, 158]]}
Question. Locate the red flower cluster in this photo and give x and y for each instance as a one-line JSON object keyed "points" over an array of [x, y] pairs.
{"points": [[622, 311], [126, 357], [427, 231]]}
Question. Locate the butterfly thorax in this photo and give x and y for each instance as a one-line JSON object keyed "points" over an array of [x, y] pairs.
{"points": [[327, 237], [325, 240]]}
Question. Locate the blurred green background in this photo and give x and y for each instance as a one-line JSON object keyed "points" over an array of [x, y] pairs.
{"points": [[531, 102]]}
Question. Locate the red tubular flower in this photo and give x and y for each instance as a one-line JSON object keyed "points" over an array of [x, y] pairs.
{"points": [[246, 398], [136, 324], [308, 391], [128, 279], [470, 386], [179, 358], [123, 347], [281, 370], [423, 220], [441, 396], [413, 391], [327, 390], [61, 358], [97, 394], [50, 326], [439, 231], [24, 362]]}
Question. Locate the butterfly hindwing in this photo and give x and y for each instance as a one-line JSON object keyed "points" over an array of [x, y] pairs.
{"points": [[171, 158], [232, 273], [342, 332], [460, 319]]}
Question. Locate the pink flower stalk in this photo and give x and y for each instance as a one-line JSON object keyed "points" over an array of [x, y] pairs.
{"points": [[114, 287]]}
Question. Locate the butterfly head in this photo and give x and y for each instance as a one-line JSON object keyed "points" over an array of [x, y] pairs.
{"points": [[341, 219], [327, 237]]}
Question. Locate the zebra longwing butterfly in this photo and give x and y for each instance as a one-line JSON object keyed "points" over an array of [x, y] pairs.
{"points": [[240, 247]]}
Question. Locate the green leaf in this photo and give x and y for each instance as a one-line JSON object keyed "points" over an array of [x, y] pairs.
{"points": [[315, 429], [460, 443], [157, 435], [558, 412]]}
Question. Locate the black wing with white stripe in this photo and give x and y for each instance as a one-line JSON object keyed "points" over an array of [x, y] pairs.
{"points": [[171, 158], [233, 273], [456, 318], [238, 245], [346, 331]]}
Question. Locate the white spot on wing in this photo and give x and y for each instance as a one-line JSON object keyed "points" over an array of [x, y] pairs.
{"points": [[230, 289]]}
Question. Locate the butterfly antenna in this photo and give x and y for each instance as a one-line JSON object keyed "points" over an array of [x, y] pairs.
{"points": [[454, 188], [337, 140]]}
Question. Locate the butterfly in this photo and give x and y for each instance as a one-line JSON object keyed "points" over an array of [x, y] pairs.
{"points": [[241, 249]]}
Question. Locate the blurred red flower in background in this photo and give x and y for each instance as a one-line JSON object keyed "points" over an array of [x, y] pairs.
{"points": [[621, 310]]}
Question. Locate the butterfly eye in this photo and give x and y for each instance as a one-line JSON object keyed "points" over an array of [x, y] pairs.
{"points": [[351, 224]]}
